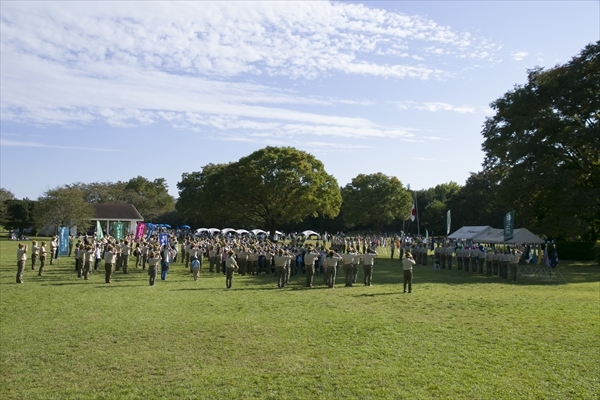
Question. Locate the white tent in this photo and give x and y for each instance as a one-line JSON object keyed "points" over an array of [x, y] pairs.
{"points": [[201, 230], [242, 232], [214, 230], [310, 233], [469, 232], [258, 232], [228, 230]]}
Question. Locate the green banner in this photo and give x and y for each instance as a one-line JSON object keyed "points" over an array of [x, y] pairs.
{"points": [[448, 223], [118, 230], [99, 233], [509, 226]]}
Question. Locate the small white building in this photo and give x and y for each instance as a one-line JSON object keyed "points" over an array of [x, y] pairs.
{"points": [[107, 213]]}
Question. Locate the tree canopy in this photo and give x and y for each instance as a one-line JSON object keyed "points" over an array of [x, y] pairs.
{"points": [[268, 188], [375, 199], [63, 206], [543, 145]]}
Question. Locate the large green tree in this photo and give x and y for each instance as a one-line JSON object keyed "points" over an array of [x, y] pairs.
{"points": [[63, 206], [270, 187], [19, 214], [5, 195], [375, 199], [544, 145], [433, 205]]}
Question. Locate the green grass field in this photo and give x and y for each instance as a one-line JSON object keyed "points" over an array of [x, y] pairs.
{"points": [[458, 336]]}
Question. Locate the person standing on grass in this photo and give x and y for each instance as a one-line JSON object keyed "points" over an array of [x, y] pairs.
{"points": [[513, 262], [97, 256], [153, 261], [71, 242], [34, 254], [309, 265], [332, 261], [53, 249], [368, 261], [21, 258], [407, 267], [195, 266], [281, 260], [42, 258], [79, 253], [230, 267], [109, 262], [348, 266], [165, 262], [88, 258]]}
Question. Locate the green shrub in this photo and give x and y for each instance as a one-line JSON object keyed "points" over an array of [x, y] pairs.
{"points": [[581, 251]]}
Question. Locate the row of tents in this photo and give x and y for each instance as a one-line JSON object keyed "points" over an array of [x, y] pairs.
{"points": [[255, 232], [487, 234]]}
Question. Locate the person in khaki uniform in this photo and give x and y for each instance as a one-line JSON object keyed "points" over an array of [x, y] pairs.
{"points": [[348, 266], [407, 267], [332, 262], [368, 261], [230, 267], [153, 260], [79, 252], [125, 252], [88, 257], [21, 258], [280, 260], [309, 265], [43, 253]]}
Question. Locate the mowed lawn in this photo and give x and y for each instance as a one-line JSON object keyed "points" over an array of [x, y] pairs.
{"points": [[458, 336]]}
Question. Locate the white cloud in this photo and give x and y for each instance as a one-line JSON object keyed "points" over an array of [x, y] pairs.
{"points": [[436, 106], [17, 143], [519, 55]]}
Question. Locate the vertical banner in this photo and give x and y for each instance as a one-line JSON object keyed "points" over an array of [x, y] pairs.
{"points": [[509, 226], [139, 231], [163, 239], [118, 228], [448, 221], [413, 213], [99, 233], [63, 241]]}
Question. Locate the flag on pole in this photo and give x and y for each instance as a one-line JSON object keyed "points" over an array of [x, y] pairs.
{"points": [[413, 213], [99, 233], [509, 225], [448, 223], [63, 241], [426, 234]]}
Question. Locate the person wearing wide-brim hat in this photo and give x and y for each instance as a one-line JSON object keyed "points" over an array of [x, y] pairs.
{"points": [[407, 267], [368, 260]]}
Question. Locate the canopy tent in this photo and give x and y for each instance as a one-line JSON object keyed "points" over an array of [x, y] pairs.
{"points": [[469, 232], [185, 227], [310, 233], [258, 232], [227, 231], [201, 230], [212, 231], [242, 232], [487, 234]]}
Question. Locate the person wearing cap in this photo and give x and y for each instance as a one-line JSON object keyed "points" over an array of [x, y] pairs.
{"points": [[21, 258], [153, 261], [368, 261], [230, 267], [348, 265], [407, 267]]}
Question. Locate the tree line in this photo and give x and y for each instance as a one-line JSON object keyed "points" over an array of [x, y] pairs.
{"points": [[542, 159]]}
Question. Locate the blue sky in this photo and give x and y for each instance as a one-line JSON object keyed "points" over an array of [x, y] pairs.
{"points": [[106, 91]]}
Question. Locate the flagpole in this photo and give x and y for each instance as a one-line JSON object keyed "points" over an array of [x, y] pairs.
{"points": [[417, 208]]}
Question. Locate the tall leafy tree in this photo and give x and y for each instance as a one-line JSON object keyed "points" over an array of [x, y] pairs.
{"points": [[376, 200], [269, 188], [5, 195], [19, 214], [433, 205], [63, 206], [150, 198], [544, 144]]}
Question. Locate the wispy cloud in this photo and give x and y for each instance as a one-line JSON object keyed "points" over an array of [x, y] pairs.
{"points": [[17, 143], [436, 106], [519, 55]]}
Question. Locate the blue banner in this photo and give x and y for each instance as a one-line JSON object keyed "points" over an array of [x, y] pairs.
{"points": [[63, 241], [163, 239]]}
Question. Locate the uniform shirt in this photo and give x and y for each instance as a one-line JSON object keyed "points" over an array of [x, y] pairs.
{"points": [[333, 261], [21, 254], [109, 257], [368, 259], [281, 260], [88, 256], [348, 258], [125, 249], [407, 264], [230, 263], [309, 258]]}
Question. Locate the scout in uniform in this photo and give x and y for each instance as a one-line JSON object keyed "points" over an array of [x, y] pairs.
{"points": [[42, 258], [309, 265], [368, 261], [21, 258], [230, 267]]}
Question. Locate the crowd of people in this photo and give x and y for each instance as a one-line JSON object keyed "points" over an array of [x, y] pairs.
{"points": [[253, 255]]}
